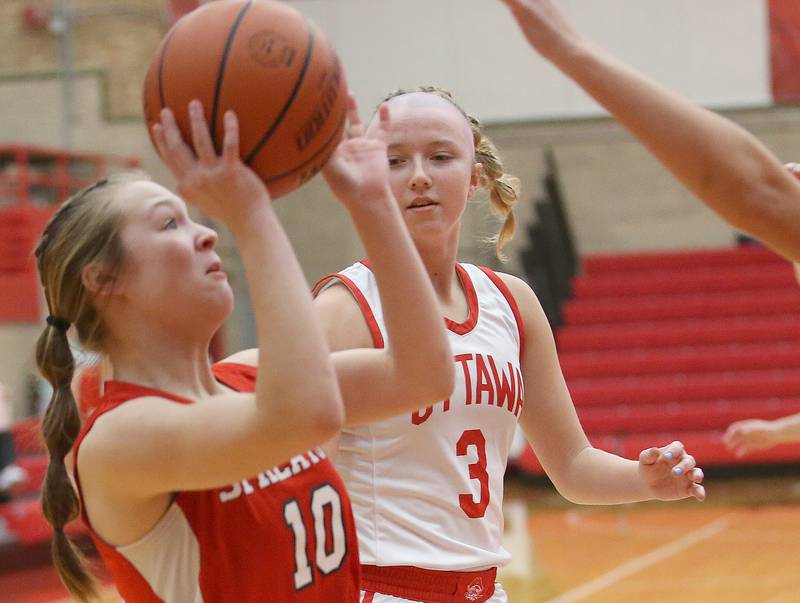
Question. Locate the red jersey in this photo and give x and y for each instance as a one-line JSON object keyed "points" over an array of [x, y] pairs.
{"points": [[287, 534]]}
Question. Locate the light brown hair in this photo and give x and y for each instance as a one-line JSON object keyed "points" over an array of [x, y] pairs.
{"points": [[85, 230], [503, 188]]}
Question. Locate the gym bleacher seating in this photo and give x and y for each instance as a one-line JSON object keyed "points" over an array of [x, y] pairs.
{"points": [[670, 346]]}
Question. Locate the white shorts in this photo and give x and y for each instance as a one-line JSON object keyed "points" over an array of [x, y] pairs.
{"points": [[499, 596]]}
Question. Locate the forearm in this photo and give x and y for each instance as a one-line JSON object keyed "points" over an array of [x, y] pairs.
{"points": [[596, 477], [419, 348], [721, 163], [788, 429], [294, 362]]}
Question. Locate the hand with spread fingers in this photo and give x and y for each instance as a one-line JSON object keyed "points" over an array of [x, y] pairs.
{"points": [[670, 473], [358, 171], [221, 186]]}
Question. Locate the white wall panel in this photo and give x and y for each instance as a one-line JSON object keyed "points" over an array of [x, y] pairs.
{"points": [[714, 51]]}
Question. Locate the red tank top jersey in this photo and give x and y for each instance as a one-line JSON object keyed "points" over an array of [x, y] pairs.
{"points": [[287, 534]]}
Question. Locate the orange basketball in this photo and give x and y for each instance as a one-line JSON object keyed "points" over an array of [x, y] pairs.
{"points": [[269, 64]]}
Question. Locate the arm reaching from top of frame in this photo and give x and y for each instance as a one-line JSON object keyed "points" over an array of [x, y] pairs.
{"points": [[719, 162]]}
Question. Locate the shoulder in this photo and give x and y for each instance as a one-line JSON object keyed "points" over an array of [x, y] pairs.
{"points": [[121, 430], [344, 317], [530, 310], [521, 292]]}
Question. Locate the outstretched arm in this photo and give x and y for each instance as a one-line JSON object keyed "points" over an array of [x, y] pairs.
{"points": [[581, 473], [744, 437], [722, 164], [416, 369]]}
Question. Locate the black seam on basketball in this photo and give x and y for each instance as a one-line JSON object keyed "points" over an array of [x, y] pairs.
{"points": [[260, 144], [161, 61], [221, 72], [311, 159]]}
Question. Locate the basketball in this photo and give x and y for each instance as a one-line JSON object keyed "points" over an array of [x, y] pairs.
{"points": [[270, 65]]}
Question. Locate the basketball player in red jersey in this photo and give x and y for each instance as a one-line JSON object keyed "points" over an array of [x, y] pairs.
{"points": [[427, 486], [198, 482]]}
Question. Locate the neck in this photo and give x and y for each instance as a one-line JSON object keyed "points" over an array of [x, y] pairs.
{"points": [[162, 358], [439, 258]]}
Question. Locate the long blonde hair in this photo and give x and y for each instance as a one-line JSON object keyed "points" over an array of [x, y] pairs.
{"points": [[503, 188], [85, 230]]}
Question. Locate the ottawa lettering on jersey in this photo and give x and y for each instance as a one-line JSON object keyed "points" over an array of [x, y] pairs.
{"points": [[484, 383], [297, 464]]}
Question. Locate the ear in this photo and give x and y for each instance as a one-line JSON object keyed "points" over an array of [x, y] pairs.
{"points": [[475, 178], [99, 282]]}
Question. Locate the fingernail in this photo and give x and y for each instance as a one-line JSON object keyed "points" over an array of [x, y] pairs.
{"points": [[677, 470], [668, 455]]}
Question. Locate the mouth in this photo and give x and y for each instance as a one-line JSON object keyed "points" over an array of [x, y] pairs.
{"points": [[421, 202], [215, 267]]}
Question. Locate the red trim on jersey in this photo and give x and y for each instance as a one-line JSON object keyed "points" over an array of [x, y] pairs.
{"points": [[431, 586], [366, 311], [241, 377], [500, 284], [462, 328], [459, 328], [368, 598]]}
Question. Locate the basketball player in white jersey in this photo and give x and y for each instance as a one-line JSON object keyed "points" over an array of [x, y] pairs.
{"points": [[726, 167], [427, 486]]}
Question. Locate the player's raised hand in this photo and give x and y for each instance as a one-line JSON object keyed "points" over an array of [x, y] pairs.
{"points": [[670, 473], [358, 171], [219, 185], [544, 25]]}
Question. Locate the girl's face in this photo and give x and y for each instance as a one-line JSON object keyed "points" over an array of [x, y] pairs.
{"points": [[432, 169], [171, 269]]}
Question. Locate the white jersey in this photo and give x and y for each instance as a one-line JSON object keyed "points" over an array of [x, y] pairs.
{"points": [[427, 487]]}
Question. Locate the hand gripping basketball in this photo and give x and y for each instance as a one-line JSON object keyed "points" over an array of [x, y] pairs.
{"points": [[219, 185]]}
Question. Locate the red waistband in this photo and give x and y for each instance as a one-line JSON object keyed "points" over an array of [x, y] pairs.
{"points": [[431, 586]]}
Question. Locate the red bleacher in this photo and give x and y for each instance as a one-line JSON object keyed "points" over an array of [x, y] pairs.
{"points": [[33, 182], [664, 346]]}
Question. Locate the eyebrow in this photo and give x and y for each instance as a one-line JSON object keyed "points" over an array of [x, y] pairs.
{"points": [[433, 143], [169, 202]]}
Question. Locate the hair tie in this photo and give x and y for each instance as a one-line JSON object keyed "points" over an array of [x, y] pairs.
{"points": [[62, 324]]}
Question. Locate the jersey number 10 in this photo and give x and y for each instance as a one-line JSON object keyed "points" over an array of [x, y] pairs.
{"points": [[329, 554]]}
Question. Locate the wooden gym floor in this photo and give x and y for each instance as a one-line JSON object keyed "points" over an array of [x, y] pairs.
{"points": [[741, 545]]}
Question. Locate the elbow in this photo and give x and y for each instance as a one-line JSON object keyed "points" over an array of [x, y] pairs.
{"points": [[567, 491], [326, 417], [317, 412], [328, 423], [433, 376]]}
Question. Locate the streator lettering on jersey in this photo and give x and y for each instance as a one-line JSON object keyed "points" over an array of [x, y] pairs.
{"points": [[296, 465]]}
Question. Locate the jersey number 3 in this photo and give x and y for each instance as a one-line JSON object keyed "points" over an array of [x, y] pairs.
{"points": [[326, 509], [473, 438]]}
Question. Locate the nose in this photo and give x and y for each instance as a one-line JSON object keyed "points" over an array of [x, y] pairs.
{"points": [[420, 181], [207, 238]]}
